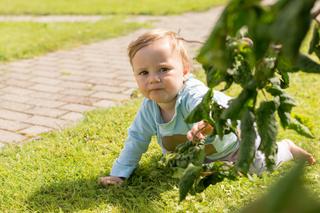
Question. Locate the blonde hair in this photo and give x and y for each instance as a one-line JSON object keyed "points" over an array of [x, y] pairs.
{"points": [[154, 35]]}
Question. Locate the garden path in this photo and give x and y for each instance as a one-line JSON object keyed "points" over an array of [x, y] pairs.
{"points": [[53, 91]]}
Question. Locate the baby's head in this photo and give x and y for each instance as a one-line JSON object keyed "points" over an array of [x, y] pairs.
{"points": [[160, 65], [150, 37]]}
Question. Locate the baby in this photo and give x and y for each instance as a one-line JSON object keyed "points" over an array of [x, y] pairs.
{"points": [[161, 68]]}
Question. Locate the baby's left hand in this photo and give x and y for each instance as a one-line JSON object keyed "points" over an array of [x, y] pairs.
{"points": [[199, 131]]}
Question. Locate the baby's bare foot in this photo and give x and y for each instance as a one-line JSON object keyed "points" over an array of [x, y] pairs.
{"points": [[300, 154]]}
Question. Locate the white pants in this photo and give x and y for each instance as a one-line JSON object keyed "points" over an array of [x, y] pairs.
{"points": [[259, 165], [283, 154]]}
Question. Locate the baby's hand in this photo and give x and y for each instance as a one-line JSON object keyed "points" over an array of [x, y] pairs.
{"points": [[110, 180], [199, 131]]}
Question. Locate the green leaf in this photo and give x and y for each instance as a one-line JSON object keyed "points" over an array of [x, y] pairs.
{"points": [[229, 81], [210, 111], [286, 102], [183, 147], [291, 26], [199, 155], [219, 170], [267, 129], [237, 104], [214, 49], [303, 63], [305, 120], [285, 65], [219, 127], [247, 143], [203, 110], [186, 182], [214, 76], [274, 87], [287, 195], [259, 35], [178, 172], [284, 117], [300, 128], [240, 67], [284, 81], [260, 32], [207, 181], [314, 46], [197, 114], [236, 14], [306, 64]]}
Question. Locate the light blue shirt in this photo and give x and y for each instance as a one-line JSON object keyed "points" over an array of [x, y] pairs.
{"points": [[148, 122]]}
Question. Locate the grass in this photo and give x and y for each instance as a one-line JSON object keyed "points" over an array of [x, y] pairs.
{"points": [[150, 7], [58, 173], [26, 39], [21, 40]]}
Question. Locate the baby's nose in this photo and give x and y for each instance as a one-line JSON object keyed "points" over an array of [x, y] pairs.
{"points": [[154, 78]]}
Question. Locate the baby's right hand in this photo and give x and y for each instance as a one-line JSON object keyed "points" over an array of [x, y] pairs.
{"points": [[199, 131], [110, 180]]}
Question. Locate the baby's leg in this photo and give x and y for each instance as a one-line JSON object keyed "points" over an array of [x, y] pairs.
{"points": [[297, 152]]}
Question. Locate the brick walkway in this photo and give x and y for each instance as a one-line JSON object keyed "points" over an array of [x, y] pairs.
{"points": [[52, 91]]}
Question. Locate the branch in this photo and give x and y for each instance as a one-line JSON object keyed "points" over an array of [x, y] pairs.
{"points": [[315, 12]]}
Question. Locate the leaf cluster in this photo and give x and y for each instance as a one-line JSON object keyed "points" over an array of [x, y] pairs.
{"points": [[211, 111], [187, 163], [256, 47]]}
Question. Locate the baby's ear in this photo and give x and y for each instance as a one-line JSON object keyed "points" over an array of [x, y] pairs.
{"points": [[186, 69], [186, 74]]}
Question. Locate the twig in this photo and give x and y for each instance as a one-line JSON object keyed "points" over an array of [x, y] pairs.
{"points": [[315, 13], [264, 94]]}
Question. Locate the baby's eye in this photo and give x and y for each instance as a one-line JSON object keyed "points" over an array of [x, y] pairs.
{"points": [[164, 69], [143, 72]]}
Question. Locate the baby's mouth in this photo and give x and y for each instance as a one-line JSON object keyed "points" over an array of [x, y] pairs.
{"points": [[155, 89]]}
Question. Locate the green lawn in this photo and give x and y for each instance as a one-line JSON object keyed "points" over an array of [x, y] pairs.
{"points": [[59, 171], [26, 39], [150, 7]]}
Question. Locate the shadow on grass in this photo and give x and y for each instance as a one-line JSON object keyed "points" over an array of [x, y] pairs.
{"points": [[136, 194]]}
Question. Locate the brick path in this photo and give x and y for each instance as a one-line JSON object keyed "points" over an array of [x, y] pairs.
{"points": [[52, 91]]}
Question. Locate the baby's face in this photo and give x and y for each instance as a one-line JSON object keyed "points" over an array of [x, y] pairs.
{"points": [[159, 71]]}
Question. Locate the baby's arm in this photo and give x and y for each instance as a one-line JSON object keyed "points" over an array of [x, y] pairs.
{"points": [[138, 140], [126, 162], [128, 159]]}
